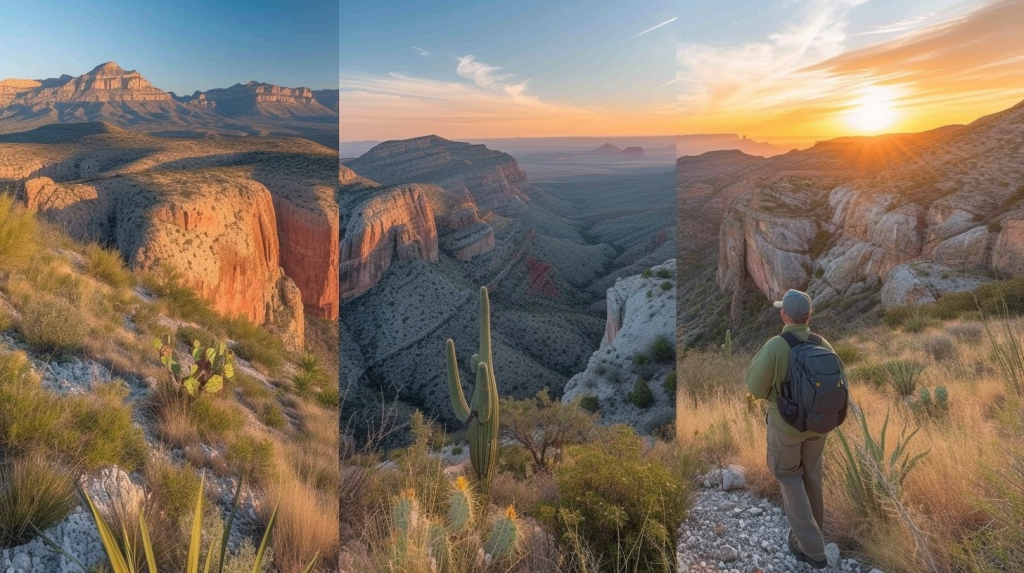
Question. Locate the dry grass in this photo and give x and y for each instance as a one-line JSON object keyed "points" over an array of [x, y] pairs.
{"points": [[947, 494]]}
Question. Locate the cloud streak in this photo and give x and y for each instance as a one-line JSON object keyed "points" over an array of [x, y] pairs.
{"points": [[420, 50], [805, 78], [666, 22]]}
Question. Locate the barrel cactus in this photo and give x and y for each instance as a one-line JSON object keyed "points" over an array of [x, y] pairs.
{"points": [[482, 411]]}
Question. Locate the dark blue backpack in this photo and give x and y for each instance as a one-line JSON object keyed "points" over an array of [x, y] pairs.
{"points": [[814, 396]]}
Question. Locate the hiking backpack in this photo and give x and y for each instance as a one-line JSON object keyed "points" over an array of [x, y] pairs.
{"points": [[815, 394]]}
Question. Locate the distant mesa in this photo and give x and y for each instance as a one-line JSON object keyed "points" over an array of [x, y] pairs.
{"points": [[109, 93], [610, 150], [702, 143], [633, 152], [607, 149]]}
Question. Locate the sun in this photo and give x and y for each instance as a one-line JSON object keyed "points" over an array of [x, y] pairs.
{"points": [[872, 113]]}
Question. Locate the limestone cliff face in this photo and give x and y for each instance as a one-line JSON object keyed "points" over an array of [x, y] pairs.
{"points": [[379, 227], [309, 256], [942, 210], [492, 178], [634, 321], [105, 83]]}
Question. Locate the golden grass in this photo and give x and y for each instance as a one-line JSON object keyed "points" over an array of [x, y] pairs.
{"points": [[945, 494]]}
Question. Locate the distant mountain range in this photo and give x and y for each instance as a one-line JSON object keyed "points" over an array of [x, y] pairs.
{"points": [[124, 98], [697, 144]]}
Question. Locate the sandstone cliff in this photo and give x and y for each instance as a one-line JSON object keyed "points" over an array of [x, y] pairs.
{"points": [[896, 219], [379, 227], [492, 178]]}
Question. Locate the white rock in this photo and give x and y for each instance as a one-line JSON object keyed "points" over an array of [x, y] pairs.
{"points": [[733, 478], [832, 554]]}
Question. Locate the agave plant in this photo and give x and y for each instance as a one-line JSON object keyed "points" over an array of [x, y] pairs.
{"points": [[123, 557]]}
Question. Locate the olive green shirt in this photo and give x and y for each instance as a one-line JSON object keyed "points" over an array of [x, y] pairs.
{"points": [[769, 369]]}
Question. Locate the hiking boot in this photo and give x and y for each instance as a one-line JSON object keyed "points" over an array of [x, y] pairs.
{"points": [[795, 550]]}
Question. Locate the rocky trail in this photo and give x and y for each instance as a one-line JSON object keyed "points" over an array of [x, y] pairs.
{"points": [[729, 530]]}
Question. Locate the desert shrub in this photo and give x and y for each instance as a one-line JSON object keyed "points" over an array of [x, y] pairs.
{"points": [[33, 494], [667, 285], [188, 334], [662, 350], [940, 347], [670, 382], [911, 318], [641, 396], [590, 403], [6, 320], [216, 419], [543, 425], [663, 274], [273, 416], [872, 373], [329, 397], [624, 505], [646, 273], [251, 457], [107, 266], [104, 430], [17, 233], [903, 375], [516, 460], [967, 331], [173, 487], [181, 301], [989, 298], [717, 444], [1008, 353], [256, 344], [848, 353], [51, 324]]}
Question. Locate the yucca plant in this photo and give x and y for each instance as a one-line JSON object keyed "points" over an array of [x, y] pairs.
{"points": [[1008, 353], [124, 557], [902, 375], [874, 476]]}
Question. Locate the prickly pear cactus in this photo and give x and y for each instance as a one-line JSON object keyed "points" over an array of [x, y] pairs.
{"points": [[211, 366], [482, 412], [460, 512]]}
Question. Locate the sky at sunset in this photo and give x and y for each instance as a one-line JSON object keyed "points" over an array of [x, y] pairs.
{"points": [[785, 69], [178, 46], [533, 68]]}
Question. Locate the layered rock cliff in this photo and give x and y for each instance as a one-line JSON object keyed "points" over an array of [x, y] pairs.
{"points": [[492, 178], [903, 219], [379, 227]]}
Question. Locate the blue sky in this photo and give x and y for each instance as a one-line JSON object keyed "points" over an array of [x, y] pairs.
{"points": [[179, 46], [495, 69], [846, 67]]}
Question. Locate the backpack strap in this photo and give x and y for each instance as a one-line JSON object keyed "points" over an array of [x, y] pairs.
{"points": [[792, 339], [814, 338]]}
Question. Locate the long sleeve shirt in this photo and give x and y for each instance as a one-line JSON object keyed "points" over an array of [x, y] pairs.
{"points": [[770, 368]]}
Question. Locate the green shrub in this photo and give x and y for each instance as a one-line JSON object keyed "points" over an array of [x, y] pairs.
{"points": [[989, 298], [216, 419], [181, 301], [51, 324], [173, 487], [544, 426], [329, 397], [848, 353], [626, 507], [516, 460], [17, 233], [662, 350], [903, 375], [667, 285], [663, 274], [717, 444], [590, 404], [871, 373], [187, 334], [646, 273], [1008, 353], [670, 382], [107, 266], [912, 318], [641, 396], [256, 344], [457, 451], [273, 416], [940, 347], [104, 431], [252, 458], [33, 494]]}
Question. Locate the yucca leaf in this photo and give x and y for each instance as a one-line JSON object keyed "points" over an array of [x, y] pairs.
{"points": [[227, 525], [311, 564], [263, 544], [117, 561], [147, 544], [194, 546]]}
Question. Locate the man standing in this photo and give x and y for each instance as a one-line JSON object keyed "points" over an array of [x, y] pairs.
{"points": [[809, 393]]}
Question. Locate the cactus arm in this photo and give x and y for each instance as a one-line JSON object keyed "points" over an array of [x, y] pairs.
{"points": [[483, 398], [473, 361], [485, 329], [455, 385]]}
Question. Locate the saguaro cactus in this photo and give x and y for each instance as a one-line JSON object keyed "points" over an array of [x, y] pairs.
{"points": [[482, 411]]}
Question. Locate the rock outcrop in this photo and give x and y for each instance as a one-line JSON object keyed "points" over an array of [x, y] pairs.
{"points": [[903, 214], [640, 311], [379, 227], [492, 178]]}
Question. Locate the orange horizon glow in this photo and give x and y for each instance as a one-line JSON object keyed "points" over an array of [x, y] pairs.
{"points": [[951, 72]]}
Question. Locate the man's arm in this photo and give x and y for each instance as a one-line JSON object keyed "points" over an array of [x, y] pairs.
{"points": [[761, 375]]}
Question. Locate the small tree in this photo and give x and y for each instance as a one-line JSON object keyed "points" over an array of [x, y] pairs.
{"points": [[641, 396], [544, 426]]}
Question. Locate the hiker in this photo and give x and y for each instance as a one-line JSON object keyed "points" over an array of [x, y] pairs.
{"points": [[802, 379]]}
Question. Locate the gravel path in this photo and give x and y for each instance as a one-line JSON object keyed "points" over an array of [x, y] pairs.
{"points": [[735, 532]]}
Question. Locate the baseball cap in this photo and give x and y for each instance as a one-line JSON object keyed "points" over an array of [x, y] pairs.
{"points": [[796, 304]]}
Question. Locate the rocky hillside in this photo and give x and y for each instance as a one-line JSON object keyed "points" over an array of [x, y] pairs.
{"points": [[641, 311], [249, 223], [125, 98], [414, 253], [865, 223]]}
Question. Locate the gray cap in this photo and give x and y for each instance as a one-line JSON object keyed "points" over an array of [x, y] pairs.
{"points": [[796, 304]]}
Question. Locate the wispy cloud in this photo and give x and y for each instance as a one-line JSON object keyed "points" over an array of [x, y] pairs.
{"points": [[805, 77], [666, 22], [420, 50], [901, 26], [483, 74]]}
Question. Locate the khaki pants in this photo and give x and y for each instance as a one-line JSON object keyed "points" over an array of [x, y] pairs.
{"points": [[797, 466]]}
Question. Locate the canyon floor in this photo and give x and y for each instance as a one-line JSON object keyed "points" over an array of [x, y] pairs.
{"points": [[586, 222]]}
